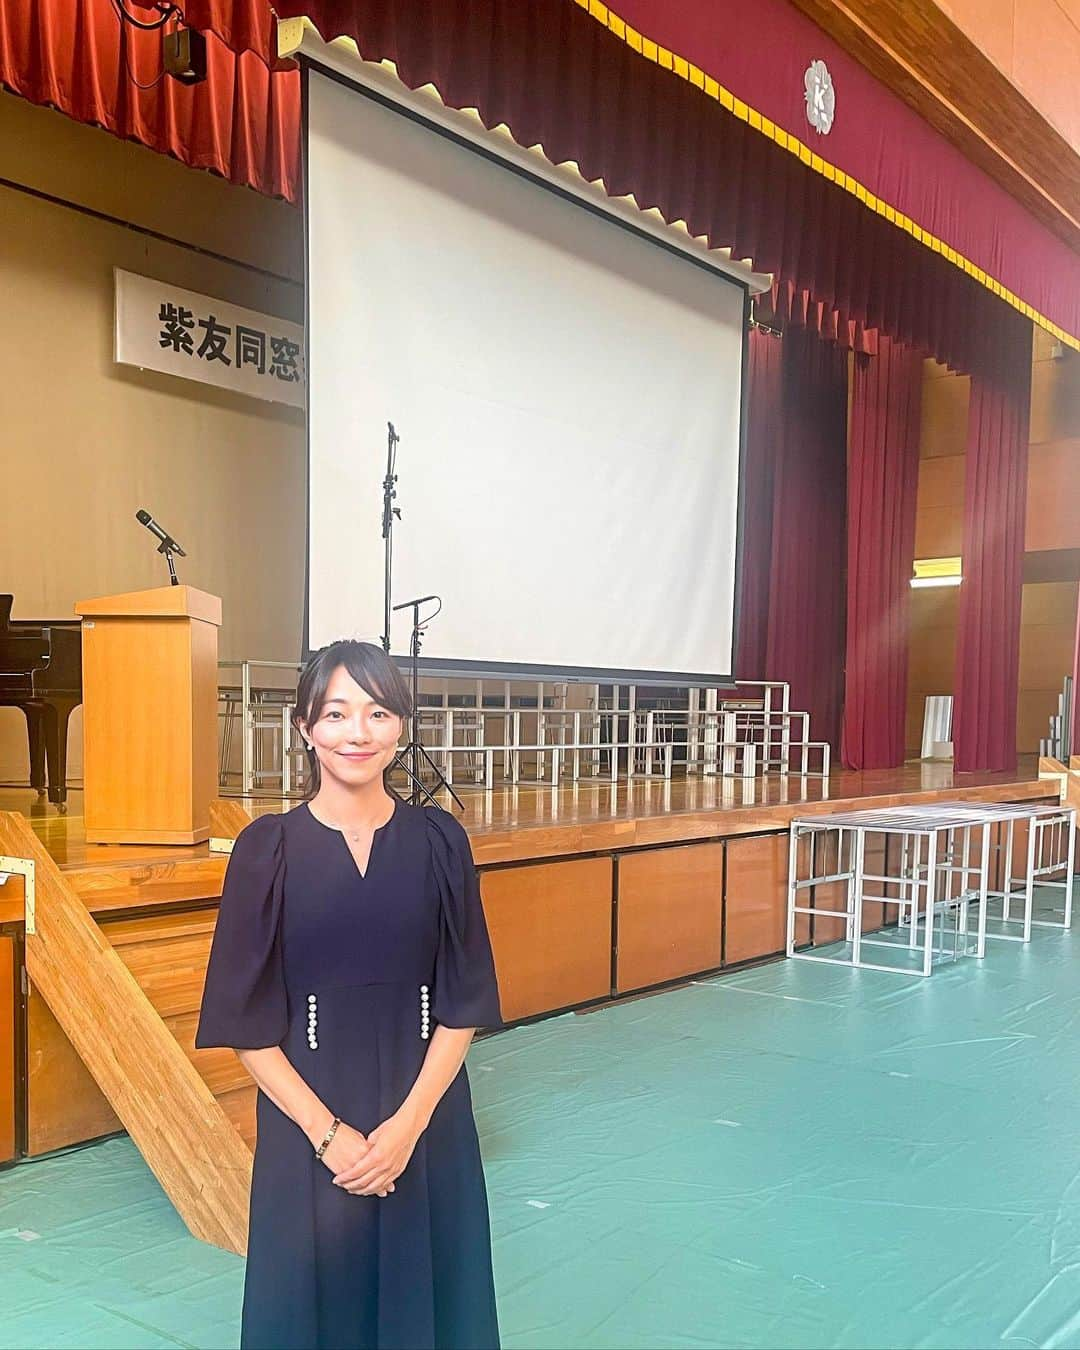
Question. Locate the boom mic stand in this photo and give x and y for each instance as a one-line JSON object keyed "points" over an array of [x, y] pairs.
{"points": [[414, 758], [388, 513]]}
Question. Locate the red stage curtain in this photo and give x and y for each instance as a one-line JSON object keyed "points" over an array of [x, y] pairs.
{"points": [[806, 583], [1074, 740], [243, 122], [995, 498], [883, 480], [764, 425], [760, 52], [558, 79], [783, 306]]}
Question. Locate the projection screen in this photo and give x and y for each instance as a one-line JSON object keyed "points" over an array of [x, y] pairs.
{"points": [[568, 396]]}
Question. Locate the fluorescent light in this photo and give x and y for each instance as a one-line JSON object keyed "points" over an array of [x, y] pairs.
{"points": [[936, 572]]}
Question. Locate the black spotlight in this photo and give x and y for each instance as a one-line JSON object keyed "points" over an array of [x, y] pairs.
{"points": [[183, 52]]}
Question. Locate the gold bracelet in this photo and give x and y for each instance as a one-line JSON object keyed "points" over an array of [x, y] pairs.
{"points": [[329, 1136]]}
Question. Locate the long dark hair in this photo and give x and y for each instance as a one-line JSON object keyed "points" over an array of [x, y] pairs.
{"points": [[369, 666]]}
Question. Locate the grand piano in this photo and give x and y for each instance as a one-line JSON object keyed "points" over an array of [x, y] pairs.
{"points": [[41, 673]]}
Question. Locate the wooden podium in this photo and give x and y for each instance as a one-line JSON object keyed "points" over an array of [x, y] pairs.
{"points": [[150, 715]]}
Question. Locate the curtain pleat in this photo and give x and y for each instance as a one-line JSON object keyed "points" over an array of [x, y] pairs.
{"points": [[1074, 738], [806, 619], [764, 428], [559, 80], [995, 500], [883, 478]]}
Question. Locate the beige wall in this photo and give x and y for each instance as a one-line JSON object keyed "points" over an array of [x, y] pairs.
{"points": [[1036, 44], [1052, 537], [86, 442]]}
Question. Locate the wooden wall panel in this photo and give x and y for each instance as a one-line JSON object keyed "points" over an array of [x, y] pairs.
{"points": [[755, 898], [939, 515], [831, 895], [943, 426], [932, 654], [550, 929], [1053, 503], [167, 954], [7, 1049], [63, 1103], [1047, 635], [1055, 398], [670, 922]]}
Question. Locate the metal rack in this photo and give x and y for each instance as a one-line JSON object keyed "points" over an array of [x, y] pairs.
{"points": [[945, 853], [517, 732]]}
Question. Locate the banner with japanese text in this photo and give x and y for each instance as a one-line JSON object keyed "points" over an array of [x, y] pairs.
{"points": [[165, 328]]}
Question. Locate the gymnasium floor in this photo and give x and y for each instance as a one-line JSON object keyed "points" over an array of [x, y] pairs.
{"points": [[792, 1156]]}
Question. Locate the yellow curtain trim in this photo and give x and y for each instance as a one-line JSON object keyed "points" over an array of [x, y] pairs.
{"points": [[685, 70]]}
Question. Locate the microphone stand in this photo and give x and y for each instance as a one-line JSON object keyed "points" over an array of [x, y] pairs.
{"points": [[166, 547], [414, 758], [388, 514]]}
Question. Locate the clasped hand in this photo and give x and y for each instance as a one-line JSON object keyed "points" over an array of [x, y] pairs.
{"points": [[371, 1165]]}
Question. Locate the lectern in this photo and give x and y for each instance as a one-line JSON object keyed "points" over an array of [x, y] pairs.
{"points": [[150, 715]]}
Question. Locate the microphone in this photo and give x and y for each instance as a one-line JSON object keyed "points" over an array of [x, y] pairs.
{"points": [[167, 541]]}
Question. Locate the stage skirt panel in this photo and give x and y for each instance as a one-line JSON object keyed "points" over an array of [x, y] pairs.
{"points": [[351, 975]]}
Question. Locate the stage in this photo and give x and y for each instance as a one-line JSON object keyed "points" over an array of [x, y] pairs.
{"points": [[532, 821], [593, 892]]}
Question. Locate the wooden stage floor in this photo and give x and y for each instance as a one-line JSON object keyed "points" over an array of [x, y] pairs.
{"points": [[592, 893], [528, 822]]}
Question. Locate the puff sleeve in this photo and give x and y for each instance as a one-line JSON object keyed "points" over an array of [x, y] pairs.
{"points": [[244, 1002], [466, 991]]}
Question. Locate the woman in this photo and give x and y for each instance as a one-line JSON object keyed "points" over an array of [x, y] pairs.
{"points": [[350, 968]]}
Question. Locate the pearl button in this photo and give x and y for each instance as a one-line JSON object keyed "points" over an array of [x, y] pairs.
{"points": [[311, 998], [423, 988]]}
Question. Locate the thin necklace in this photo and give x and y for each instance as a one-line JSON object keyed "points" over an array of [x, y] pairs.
{"points": [[347, 830]]}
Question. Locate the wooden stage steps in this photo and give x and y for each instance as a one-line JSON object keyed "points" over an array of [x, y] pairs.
{"points": [[162, 1101]]}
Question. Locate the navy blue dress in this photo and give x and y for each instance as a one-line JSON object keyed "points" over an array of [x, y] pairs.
{"points": [[346, 973]]}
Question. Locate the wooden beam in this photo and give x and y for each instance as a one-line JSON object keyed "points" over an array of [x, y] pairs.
{"points": [[184, 1135]]}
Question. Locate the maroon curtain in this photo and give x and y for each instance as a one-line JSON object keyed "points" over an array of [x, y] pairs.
{"points": [[806, 582], [995, 498], [883, 480], [764, 424], [1074, 743], [558, 79]]}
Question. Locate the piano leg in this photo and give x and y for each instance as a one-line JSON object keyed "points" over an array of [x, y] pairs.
{"points": [[35, 735], [56, 735]]}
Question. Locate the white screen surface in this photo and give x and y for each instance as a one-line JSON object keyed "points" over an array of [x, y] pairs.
{"points": [[567, 395]]}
